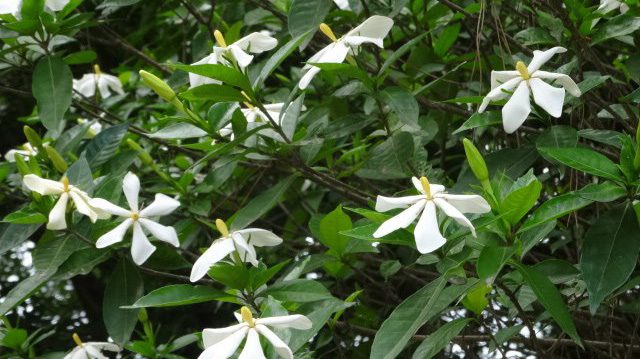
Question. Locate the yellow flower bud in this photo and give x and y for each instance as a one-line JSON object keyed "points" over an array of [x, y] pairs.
{"points": [[57, 160], [522, 69], [220, 39], [327, 31], [247, 316], [96, 69], [77, 340], [222, 228], [426, 187]]}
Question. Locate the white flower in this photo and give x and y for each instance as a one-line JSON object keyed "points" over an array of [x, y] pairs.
{"points": [[94, 129], [27, 151], [242, 241], [610, 5], [342, 4], [254, 114], [529, 79], [57, 215], [14, 6], [372, 30], [90, 350], [427, 234], [105, 84], [255, 42], [222, 343], [141, 248]]}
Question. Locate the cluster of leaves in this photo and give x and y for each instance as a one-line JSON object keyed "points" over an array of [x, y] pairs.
{"points": [[556, 255]]}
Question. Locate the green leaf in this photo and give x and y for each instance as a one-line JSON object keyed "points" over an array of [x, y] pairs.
{"points": [[601, 192], [261, 204], [104, 145], [298, 291], [225, 74], [401, 51], [555, 208], [532, 236], [521, 198], [388, 159], [609, 252], [278, 57], [179, 131], [213, 92], [124, 288], [330, 227], [439, 339], [82, 262], [491, 260], [52, 88], [180, 294], [80, 57], [306, 15], [479, 120], [534, 36], [446, 39], [612, 138], [558, 137], [476, 299], [403, 104], [551, 299], [232, 276], [346, 70], [14, 338], [620, 25], [585, 160], [25, 216], [318, 313]]}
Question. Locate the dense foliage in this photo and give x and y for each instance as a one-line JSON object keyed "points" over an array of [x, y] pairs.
{"points": [[388, 178]]}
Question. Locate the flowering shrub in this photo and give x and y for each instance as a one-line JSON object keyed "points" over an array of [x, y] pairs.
{"points": [[319, 179]]}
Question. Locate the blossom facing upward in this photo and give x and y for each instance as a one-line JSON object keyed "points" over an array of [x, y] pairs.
{"points": [[427, 233], [373, 30], [141, 248], [105, 83], [222, 343], [255, 43], [90, 350], [526, 80], [243, 241], [610, 5], [26, 152], [66, 190]]}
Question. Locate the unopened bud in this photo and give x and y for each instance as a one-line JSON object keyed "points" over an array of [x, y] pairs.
{"points": [[247, 317], [328, 32], [222, 228], [476, 162], [32, 136], [23, 168], [57, 160], [220, 39], [142, 153], [142, 315], [158, 86]]}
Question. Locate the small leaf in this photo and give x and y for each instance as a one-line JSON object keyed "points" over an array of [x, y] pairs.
{"points": [[439, 339], [555, 208], [298, 291], [180, 294]]}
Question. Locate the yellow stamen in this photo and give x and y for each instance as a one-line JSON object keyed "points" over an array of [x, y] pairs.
{"points": [[96, 69], [135, 216], [76, 339], [249, 106], [425, 186], [220, 39], [246, 96], [327, 31], [222, 228], [247, 316], [65, 183], [522, 69]]}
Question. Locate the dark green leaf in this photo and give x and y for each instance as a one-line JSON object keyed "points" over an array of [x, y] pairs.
{"points": [[305, 15], [124, 288], [437, 340], [104, 145], [52, 88], [585, 160], [180, 294]]}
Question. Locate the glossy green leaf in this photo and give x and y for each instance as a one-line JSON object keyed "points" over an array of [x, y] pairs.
{"points": [[225, 74], [213, 92], [330, 227], [52, 88], [305, 15], [555, 208], [261, 204], [104, 145], [298, 291], [123, 289], [585, 160], [179, 294], [403, 104], [439, 339]]}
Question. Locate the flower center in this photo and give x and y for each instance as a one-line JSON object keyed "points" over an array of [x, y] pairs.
{"points": [[96, 69], [522, 69], [222, 228], [220, 39], [247, 316], [426, 187], [327, 31], [65, 183], [77, 340], [135, 216]]}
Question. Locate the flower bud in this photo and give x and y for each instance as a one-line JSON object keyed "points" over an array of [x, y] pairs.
{"points": [[143, 316], [23, 168], [57, 160], [142, 153], [476, 162], [32, 136], [158, 86]]}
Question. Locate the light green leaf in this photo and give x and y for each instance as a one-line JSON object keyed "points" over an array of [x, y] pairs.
{"points": [[555, 208], [403, 104], [213, 92], [330, 227], [298, 291], [305, 15], [225, 74], [180, 294], [439, 339], [52, 88]]}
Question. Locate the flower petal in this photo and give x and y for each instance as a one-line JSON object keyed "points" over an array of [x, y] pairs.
{"points": [[260, 237], [384, 204], [104, 346], [517, 108], [211, 336], [141, 248], [434, 188], [541, 57], [56, 5], [561, 79], [281, 348], [164, 233], [225, 348], [81, 353], [500, 77], [295, 321], [161, 206], [198, 80], [500, 92], [401, 220], [57, 215], [82, 206], [108, 207], [548, 97], [218, 250], [467, 203], [245, 250], [427, 233], [256, 43], [43, 186], [93, 352], [454, 213], [334, 53], [131, 189], [375, 27], [252, 348], [115, 235], [242, 58]]}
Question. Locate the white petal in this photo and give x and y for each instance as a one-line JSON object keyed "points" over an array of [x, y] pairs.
{"points": [[211, 336], [93, 352], [81, 353], [500, 77], [10, 156], [433, 188], [467, 203], [342, 4], [307, 77], [376, 27], [384, 204], [225, 348], [82, 206], [131, 189], [73, 351], [561, 79], [198, 80], [104, 346], [218, 250], [108, 207], [427, 233], [260, 237], [281, 348], [56, 5], [295, 321], [141, 248], [164, 233], [252, 348], [57, 215], [241, 57], [548, 97], [43, 186], [161, 206], [113, 83], [256, 43], [541, 57], [359, 40], [334, 53], [115, 235], [401, 220], [500, 92], [517, 108], [452, 212], [246, 251]]}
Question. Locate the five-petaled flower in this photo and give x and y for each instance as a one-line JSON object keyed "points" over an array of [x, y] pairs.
{"points": [[141, 248], [372, 30], [427, 234], [105, 83], [221, 343], [90, 350], [225, 54], [529, 79], [26, 152], [66, 190], [241, 241]]}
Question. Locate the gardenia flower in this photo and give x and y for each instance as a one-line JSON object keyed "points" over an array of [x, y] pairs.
{"points": [[141, 248], [372, 30], [221, 343], [27, 151], [523, 80], [57, 215], [610, 5], [94, 128], [105, 84], [243, 241], [427, 234], [13, 6], [342, 4], [90, 350], [252, 113], [255, 42]]}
